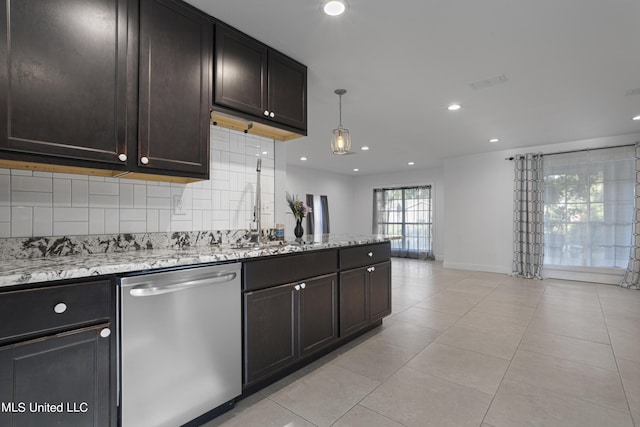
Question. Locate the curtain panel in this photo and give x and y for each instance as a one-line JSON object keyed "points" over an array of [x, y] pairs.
{"points": [[528, 216], [632, 276], [318, 219]]}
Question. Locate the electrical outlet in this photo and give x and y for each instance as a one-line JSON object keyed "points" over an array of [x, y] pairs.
{"points": [[178, 206]]}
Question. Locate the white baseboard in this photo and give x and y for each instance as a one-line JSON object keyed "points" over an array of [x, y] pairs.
{"points": [[610, 277], [477, 267]]}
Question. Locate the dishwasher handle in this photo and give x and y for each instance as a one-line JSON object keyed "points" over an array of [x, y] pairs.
{"points": [[149, 290]]}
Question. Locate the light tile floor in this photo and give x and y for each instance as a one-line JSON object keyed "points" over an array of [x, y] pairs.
{"points": [[472, 349]]}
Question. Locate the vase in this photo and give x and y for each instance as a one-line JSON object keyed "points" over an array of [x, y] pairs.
{"points": [[298, 231]]}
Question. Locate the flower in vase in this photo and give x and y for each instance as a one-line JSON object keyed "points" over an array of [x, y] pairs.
{"points": [[297, 206]]}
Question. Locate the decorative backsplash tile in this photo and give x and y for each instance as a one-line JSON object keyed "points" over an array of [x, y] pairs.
{"points": [[36, 204]]}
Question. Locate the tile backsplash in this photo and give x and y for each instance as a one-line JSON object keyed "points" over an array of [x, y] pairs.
{"points": [[55, 204]]}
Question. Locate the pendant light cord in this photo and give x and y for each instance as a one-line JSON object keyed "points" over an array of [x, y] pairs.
{"points": [[340, 110]]}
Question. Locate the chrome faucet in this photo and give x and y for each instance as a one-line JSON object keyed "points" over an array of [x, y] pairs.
{"points": [[257, 208]]}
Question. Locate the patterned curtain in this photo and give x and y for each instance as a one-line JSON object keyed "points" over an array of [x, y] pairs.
{"points": [[632, 276], [528, 216]]}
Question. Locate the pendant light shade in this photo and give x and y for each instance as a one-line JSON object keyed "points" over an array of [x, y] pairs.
{"points": [[341, 139]]}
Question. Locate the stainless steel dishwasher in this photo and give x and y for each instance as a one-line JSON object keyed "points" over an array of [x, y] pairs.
{"points": [[180, 344]]}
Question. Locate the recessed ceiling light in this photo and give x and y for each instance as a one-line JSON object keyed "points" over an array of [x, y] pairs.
{"points": [[492, 140], [304, 159], [365, 148], [454, 107], [636, 118], [356, 170], [411, 163], [334, 7]]}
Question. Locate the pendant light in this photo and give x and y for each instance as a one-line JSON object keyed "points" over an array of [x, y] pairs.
{"points": [[341, 140]]}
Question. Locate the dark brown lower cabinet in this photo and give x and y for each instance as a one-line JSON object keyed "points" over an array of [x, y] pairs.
{"points": [[285, 323], [63, 379], [365, 296], [318, 313], [380, 291], [354, 301]]}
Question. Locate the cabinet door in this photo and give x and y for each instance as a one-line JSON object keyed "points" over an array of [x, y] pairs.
{"points": [[354, 301], [318, 313], [380, 291], [174, 99], [287, 90], [63, 79], [269, 331], [70, 369], [241, 71]]}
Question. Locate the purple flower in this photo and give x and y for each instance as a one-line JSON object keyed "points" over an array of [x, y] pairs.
{"points": [[297, 206]]}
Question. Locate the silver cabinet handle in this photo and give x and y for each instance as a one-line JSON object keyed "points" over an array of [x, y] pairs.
{"points": [[266, 112], [370, 254], [373, 269], [272, 114], [152, 290], [144, 160], [122, 157], [303, 285], [105, 332], [297, 287], [60, 308]]}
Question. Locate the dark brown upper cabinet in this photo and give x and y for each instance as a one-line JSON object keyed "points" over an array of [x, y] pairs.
{"points": [[240, 73], [174, 89], [63, 70], [287, 91], [258, 82], [107, 87]]}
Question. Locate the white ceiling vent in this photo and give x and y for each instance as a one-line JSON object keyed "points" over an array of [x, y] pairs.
{"points": [[493, 81]]}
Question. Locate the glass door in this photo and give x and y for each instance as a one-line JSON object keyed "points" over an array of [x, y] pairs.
{"points": [[405, 211]]}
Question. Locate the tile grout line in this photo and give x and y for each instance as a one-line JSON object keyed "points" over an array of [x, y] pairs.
{"points": [[511, 361], [615, 358]]}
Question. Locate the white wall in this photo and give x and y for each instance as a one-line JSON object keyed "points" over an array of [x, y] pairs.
{"points": [[54, 204], [363, 199], [339, 190], [479, 204]]}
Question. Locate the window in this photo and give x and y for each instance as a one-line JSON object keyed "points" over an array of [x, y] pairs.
{"points": [[588, 208], [405, 211]]}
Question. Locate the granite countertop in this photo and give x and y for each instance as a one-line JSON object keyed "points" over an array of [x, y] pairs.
{"points": [[49, 268]]}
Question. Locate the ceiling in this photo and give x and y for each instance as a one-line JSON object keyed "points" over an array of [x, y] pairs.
{"points": [[572, 71]]}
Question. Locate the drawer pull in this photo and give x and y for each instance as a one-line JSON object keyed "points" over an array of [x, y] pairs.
{"points": [[144, 160], [105, 332], [297, 287], [266, 113], [60, 308], [370, 254], [272, 114], [122, 157], [303, 285]]}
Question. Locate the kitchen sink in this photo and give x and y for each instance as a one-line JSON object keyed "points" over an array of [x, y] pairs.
{"points": [[261, 245]]}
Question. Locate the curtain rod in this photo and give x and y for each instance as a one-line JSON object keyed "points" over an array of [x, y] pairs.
{"points": [[578, 151]]}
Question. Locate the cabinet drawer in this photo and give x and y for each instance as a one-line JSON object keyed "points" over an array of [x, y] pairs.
{"points": [[360, 256], [33, 311], [286, 269]]}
